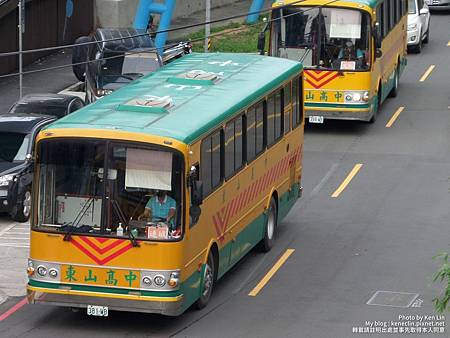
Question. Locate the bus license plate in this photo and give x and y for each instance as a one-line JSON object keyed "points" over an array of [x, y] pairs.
{"points": [[316, 119], [94, 310]]}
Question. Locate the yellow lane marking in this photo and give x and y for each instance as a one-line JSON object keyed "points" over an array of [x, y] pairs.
{"points": [[347, 181], [394, 117], [427, 73], [271, 272], [448, 44]]}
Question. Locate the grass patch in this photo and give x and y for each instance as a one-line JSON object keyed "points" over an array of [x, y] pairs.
{"points": [[233, 38]]}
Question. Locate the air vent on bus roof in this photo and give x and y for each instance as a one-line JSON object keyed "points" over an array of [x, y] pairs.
{"points": [[199, 75], [148, 103]]}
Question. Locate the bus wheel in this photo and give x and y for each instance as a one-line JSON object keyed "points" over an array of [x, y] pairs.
{"points": [[394, 90], [208, 282], [376, 108], [270, 229]]}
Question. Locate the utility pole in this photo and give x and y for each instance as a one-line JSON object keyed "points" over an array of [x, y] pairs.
{"points": [[21, 28], [207, 26]]}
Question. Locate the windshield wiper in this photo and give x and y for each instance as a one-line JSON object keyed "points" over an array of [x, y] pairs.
{"points": [[72, 226]]}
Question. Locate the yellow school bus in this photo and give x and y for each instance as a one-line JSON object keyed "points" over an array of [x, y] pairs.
{"points": [[145, 198], [354, 53]]}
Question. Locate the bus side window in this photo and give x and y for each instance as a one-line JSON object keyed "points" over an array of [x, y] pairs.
{"points": [[260, 131], [251, 134], [297, 95], [205, 167], [278, 115], [216, 166], [270, 118], [287, 96], [233, 147]]}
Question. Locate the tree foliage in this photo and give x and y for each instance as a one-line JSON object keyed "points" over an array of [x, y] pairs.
{"points": [[443, 276]]}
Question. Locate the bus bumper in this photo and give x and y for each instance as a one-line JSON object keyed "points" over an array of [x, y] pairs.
{"points": [[169, 306], [355, 114]]}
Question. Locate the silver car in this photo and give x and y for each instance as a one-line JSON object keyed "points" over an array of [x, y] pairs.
{"points": [[438, 4], [418, 25]]}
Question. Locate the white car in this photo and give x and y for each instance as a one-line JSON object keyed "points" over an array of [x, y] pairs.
{"points": [[438, 5], [418, 25]]}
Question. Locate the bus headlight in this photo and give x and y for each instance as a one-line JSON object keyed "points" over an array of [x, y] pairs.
{"points": [[356, 97], [159, 280], [147, 280], [174, 279], [41, 271], [53, 273]]}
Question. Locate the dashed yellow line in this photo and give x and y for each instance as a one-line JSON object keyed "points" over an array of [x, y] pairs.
{"points": [[347, 181], [394, 117], [271, 273], [448, 44], [427, 73]]}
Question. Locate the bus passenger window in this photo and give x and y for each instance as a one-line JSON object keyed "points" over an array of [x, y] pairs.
{"points": [[238, 144], [271, 120], [205, 166], [260, 142], [287, 95], [278, 115], [229, 149], [251, 134], [295, 104], [216, 163]]}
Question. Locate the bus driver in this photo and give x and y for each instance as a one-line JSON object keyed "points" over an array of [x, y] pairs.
{"points": [[160, 208]]}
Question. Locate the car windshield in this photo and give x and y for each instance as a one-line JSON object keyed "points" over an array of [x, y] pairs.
{"points": [[14, 146], [109, 189], [412, 8], [24, 108], [344, 37]]}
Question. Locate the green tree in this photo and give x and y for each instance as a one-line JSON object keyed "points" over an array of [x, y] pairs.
{"points": [[443, 276]]}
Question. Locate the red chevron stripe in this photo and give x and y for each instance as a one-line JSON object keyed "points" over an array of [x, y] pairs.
{"points": [[96, 259], [101, 251], [320, 85], [322, 75]]}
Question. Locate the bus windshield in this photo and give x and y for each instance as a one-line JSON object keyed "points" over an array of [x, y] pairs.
{"points": [[325, 38], [110, 189]]}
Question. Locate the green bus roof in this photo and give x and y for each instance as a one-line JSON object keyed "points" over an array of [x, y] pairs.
{"points": [[192, 94]]}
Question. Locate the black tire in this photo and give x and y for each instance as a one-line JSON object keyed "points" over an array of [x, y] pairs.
{"points": [[80, 54], [22, 208], [208, 281], [427, 38], [377, 109], [394, 90], [270, 228], [418, 48]]}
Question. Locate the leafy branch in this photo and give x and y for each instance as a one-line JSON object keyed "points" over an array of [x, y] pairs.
{"points": [[443, 275]]}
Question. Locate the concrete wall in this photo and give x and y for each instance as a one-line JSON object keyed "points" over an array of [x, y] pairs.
{"points": [[120, 13]]}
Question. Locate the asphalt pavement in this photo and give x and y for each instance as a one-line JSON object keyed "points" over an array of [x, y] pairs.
{"points": [[361, 258]]}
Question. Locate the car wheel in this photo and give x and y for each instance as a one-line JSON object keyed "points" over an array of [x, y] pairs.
{"points": [[427, 38], [208, 282], [270, 227], [418, 48], [22, 209]]}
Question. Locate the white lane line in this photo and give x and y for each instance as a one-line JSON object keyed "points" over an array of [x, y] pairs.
{"points": [[324, 180], [14, 245], [15, 238]]}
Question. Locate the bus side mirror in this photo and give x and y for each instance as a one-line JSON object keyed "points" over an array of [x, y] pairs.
{"points": [[197, 193], [377, 35], [261, 43]]}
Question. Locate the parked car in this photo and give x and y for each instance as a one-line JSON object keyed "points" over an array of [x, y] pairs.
{"points": [[436, 5], [418, 25], [18, 129]]}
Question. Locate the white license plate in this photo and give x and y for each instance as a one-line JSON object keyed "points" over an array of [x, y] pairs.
{"points": [[3, 193], [316, 119], [95, 310]]}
